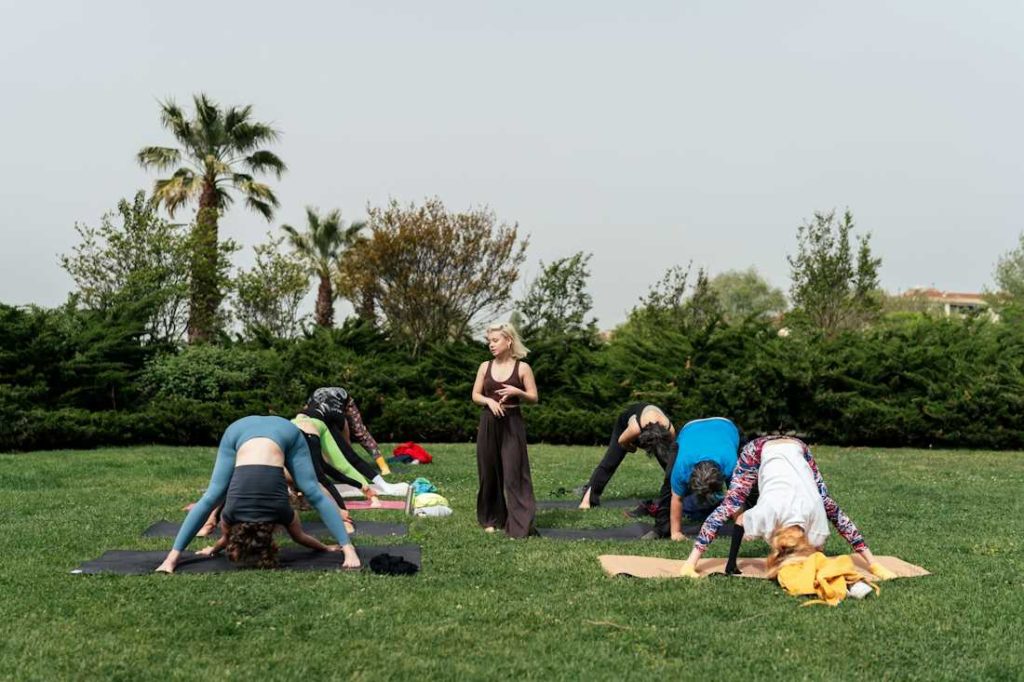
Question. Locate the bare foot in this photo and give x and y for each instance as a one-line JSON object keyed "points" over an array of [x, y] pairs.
{"points": [[489, 529], [351, 558], [585, 503]]}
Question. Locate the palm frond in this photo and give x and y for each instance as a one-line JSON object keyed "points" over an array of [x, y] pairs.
{"points": [[264, 161], [238, 179], [210, 124], [353, 234], [257, 190], [234, 116], [173, 118], [177, 190], [160, 158], [207, 111], [264, 208], [216, 167], [312, 219], [246, 136], [299, 241]]}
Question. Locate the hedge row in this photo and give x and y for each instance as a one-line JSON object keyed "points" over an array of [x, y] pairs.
{"points": [[913, 381]]}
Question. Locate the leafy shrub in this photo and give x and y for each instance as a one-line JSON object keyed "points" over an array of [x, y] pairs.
{"points": [[911, 380]]}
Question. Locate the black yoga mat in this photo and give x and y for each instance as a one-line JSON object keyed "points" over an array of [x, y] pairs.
{"points": [[169, 529], [632, 532], [573, 503], [129, 562]]}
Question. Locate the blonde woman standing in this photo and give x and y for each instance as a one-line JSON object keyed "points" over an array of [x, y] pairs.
{"points": [[505, 499]]}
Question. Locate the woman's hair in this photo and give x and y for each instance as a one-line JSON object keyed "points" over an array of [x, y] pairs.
{"points": [[657, 441], [789, 542], [706, 481], [518, 350], [251, 545]]}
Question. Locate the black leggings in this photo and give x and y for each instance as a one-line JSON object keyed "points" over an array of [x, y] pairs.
{"points": [[662, 517], [325, 472], [360, 464], [613, 457]]}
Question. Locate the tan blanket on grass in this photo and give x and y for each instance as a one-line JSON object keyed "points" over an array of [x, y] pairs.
{"points": [[656, 567]]}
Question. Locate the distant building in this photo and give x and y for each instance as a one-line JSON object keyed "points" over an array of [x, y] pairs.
{"points": [[951, 302]]}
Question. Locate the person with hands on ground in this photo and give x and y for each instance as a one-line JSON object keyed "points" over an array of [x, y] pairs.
{"points": [[792, 497], [249, 479], [644, 425], [248, 536], [703, 466]]}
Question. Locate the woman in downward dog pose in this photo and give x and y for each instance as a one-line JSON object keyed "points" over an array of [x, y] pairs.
{"points": [[505, 499], [249, 477], [644, 425], [335, 407], [793, 507]]}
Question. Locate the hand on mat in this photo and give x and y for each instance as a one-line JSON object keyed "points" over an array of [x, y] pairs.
{"points": [[351, 558], [207, 551], [689, 571], [332, 548], [678, 537], [881, 572]]}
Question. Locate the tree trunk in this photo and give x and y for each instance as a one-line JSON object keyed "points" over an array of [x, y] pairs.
{"points": [[367, 308], [325, 303], [204, 287]]}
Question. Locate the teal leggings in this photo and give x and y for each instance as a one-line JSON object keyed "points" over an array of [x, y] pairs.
{"points": [[296, 459]]}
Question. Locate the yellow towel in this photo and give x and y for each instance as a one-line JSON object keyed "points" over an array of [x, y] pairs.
{"points": [[430, 500], [825, 577]]}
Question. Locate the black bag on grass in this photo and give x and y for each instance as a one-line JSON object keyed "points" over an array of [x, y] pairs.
{"points": [[389, 564]]}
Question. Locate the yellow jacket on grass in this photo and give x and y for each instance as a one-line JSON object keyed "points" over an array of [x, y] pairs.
{"points": [[821, 576]]}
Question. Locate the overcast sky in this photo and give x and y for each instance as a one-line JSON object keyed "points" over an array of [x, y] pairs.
{"points": [[649, 133]]}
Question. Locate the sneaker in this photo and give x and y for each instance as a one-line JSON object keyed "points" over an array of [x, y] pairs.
{"points": [[645, 508], [391, 489], [859, 590]]}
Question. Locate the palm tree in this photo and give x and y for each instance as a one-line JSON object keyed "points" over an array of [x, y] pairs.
{"points": [[220, 153], [321, 245]]}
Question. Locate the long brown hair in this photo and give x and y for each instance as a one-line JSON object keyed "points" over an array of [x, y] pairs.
{"points": [[789, 542], [706, 481], [251, 545], [656, 441]]}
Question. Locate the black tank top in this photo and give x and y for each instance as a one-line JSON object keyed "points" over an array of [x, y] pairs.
{"points": [[491, 385], [258, 494], [637, 411]]}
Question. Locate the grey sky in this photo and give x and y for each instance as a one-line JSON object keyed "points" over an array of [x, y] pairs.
{"points": [[648, 133]]}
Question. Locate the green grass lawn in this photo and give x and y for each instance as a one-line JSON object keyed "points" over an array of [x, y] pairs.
{"points": [[486, 607]]}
